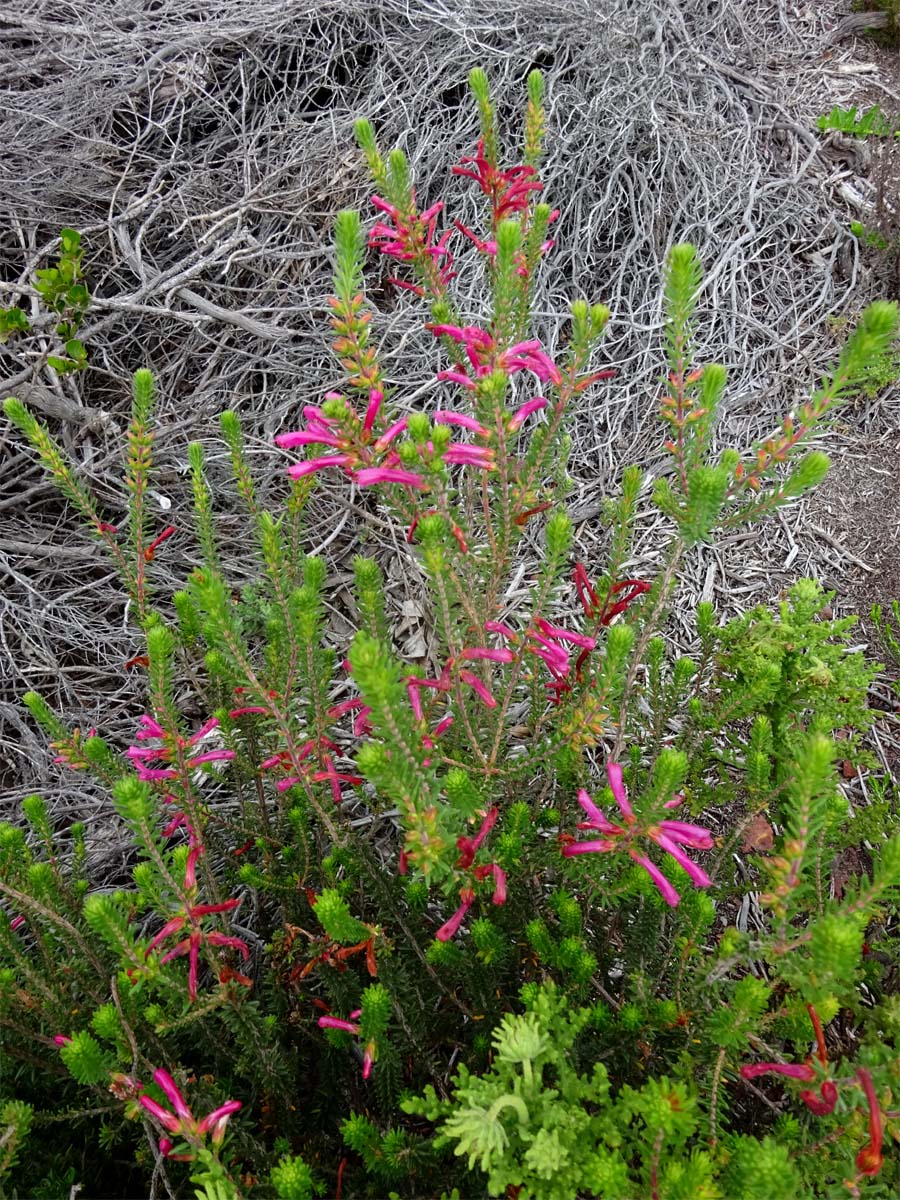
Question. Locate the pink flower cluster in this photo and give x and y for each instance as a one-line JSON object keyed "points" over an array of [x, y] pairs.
{"points": [[668, 835], [869, 1160], [509, 191], [150, 728], [488, 246], [409, 237], [370, 461], [484, 357], [191, 918], [182, 1122], [371, 1050], [468, 848], [321, 768]]}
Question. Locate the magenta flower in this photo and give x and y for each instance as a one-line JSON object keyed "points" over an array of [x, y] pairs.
{"points": [[499, 875], [483, 357], [335, 778], [557, 634], [789, 1070], [468, 846], [389, 434], [375, 400], [338, 1023], [311, 465], [409, 237], [372, 475], [668, 835], [360, 721], [182, 1122], [150, 728], [191, 918], [196, 937], [630, 589], [442, 726], [478, 688], [446, 417], [806, 1074], [471, 456], [523, 413], [351, 1027], [467, 899], [16, 923], [306, 437], [509, 191], [449, 928], [529, 356], [487, 654]]}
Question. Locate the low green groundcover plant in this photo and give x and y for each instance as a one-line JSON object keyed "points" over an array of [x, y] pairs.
{"points": [[549, 912]]}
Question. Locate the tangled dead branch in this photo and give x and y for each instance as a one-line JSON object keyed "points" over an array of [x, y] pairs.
{"points": [[203, 154]]}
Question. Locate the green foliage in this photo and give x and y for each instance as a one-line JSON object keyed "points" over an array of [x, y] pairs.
{"points": [[872, 123], [888, 626], [64, 298], [15, 1121], [293, 1180], [86, 1059]]}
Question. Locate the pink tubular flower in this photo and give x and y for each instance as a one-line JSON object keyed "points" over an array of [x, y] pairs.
{"points": [[668, 835], [311, 465], [411, 239], [445, 417], [556, 634], [337, 1023], [483, 357], [191, 944], [821, 1108], [789, 1070], [182, 1122], [632, 588], [486, 654], [501, 628], [449, 928], [335, 778], [472, 456], [61, 1039], [389, 434], [821, 1104], [524, 412], [458, 376], [370, 475], [529, 356], [307, 437], [17, 923], [478, 688], [375, 400], [468, 846], [492, 869], [489, 246]]}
